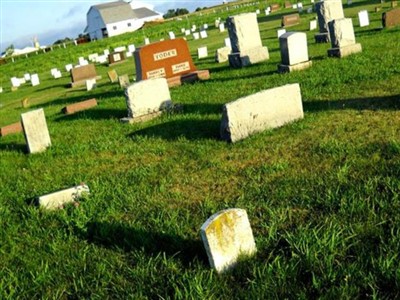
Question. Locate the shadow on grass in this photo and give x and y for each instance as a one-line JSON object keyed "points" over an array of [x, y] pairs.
{"points": [[120, 236], [93, 114], [13, 147], [189, 129], [370, 103]]}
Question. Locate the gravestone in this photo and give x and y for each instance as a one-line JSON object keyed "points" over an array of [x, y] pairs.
{"points": [[203, 34], [363, 18], [274, 7], [90, 84], [131, 48], [106, 52], [146, 41], [79, 106], [187, 32], [171, 35], [93, 57], [102, 59], [27, 76], [170, 59], [15, 82], [1, 89], [226, 236], [52, 71], [142, 101], [10, 129], [290, 20], [221, 27], [294, 52], [128, 54], [393, 4], [327, 11], [57, 74], [264, 110], [120, 49], [22, 80], [115, 58], [124, 81], [35, 130], [35, 79], [59, 199], [342, 37], [391, 18], [294, 6], [81, 74], [228, 42], [245, 39], [313, 25], [196, 35], [280, 32], [222, 54], [112, 75], [68, 67], [202, 52]]}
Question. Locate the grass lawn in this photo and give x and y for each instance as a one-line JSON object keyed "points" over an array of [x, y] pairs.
{"points": [[322, 194]]}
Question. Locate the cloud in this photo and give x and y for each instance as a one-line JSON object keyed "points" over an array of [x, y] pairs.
{"points": [[72, 12]]}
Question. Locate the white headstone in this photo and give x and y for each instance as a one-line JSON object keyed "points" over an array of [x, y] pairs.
{"points": [[171, 35], [205, 26], [120, 49], [342, 33], [141, 99], [68, 67], [328, 10], [294, 6], [22, 80], [228, 42], [15, 82], [106, 52], [131, 48], [293, 47], [187, 32], [90, 84], [313, 25], [83, 62], [92, 57], [222, 54], [280, 32], [266, 12], [35, 79], [264, 110], [227, 235], [257, 11], [146, 41], [221, 27], [128, 54], [81, 59], [196, 35], [202, 52], [102, 59], [1, 89], [35, 130], [363, 18], [53, 71], [27, 76], [182, 30], [203, 34], [58, 199], [57, 74]]}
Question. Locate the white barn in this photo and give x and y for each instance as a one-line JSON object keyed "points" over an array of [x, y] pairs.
{"points": [[114, 18]]}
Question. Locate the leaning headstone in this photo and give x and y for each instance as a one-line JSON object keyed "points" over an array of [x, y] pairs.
{"points": [[290, 20], [10, 129], [264, 110], [115, 58], [391, 18], [143, 103], [313, 25], [202, 52], [35, 130], [112, 75], [123, 81], [90, 84], [170, 59], [342, 38], [35, 79], [81, 74], [59, 199], [226, 236], [245, 39], [294, 52], [222, 54], [327, 11], [363, 18], [280, 32], [79, 106]]}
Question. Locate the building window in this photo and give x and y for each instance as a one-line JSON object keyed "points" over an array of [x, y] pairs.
{"points": [[129, 24], [115, 27]]}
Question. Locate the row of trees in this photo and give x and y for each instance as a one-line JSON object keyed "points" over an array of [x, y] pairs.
{"points": [[175, 12]]}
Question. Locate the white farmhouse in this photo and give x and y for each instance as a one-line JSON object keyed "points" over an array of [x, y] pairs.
{"points": [[114, 18]]}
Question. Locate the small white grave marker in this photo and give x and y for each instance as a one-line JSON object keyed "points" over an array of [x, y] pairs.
{"points": [[202, 52], [131, 48], [280, 32], [35, 130], [196, 35], [57, 74], [228, 42], [363, 18], [313, 25], [90, 84], [68, 67], [146, 41], [171, 35], [221, 27], [27, 76], [35, 79], [58, 199], [106, 52], [203, 34], [187, 32], [120, 49], [15, 82]]}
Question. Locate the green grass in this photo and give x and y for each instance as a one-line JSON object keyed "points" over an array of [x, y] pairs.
{"points": [[322, 194]]}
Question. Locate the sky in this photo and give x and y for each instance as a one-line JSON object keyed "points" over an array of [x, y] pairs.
{"points": [[49, 20]]}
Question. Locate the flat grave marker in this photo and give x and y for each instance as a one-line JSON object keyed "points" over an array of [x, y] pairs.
{"points": [[59, 199], [79, 106], [11, 129], [113, 76], [290, 20]]}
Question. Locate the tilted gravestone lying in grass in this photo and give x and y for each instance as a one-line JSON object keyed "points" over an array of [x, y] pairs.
{"points": [[170, 59], [113, 76], [245, 39], [147, 99], [226, 236], [59, 199], [79, 106], [391, 18], [10, 129], [327, 11], [35, 130], [343, 39], [264, 110], [79, 75], [294, 52]]}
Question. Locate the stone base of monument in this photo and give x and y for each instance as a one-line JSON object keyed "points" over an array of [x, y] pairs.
{"points": [[144, 118], [83, 82], [296, 67], [345, 51], [10, 129], [322, 37], [248, 57], [188, 78]]}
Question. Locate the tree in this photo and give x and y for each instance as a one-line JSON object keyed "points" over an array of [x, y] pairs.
{"points": [[64, 40], [174, 13]]}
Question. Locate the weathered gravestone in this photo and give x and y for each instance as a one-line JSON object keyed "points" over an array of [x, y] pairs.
{"points": [[363, 18], [342, 38], [327, 11], [290, 20], [147, 99], [79, 106], [10, 129], [294, 52], [81, 74], [222, 54], [124, 81], [58, 200], [264, 110], [391, 18], [35, 130], [170, 59], [226, 236], [245, 39], [171, 35], [202, 52], [113, 76], [115, 58]]}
